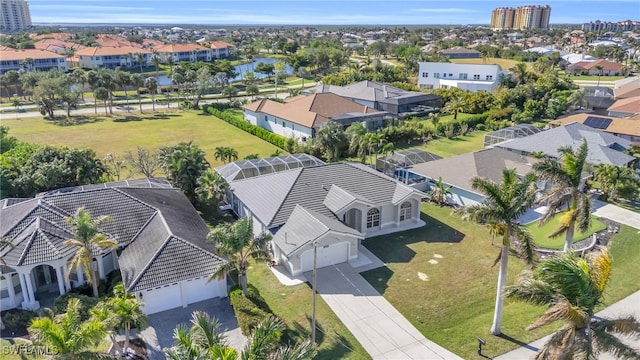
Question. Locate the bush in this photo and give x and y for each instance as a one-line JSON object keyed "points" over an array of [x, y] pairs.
{"points": [[86, 304], [250, 311], [266, 135]]}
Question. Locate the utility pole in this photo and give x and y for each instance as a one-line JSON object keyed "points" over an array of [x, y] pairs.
{"points": [[313, 300]]}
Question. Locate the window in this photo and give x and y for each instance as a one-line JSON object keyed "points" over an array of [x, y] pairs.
{"points": [[436, 75], [284, 124], [476, 77], [450, 75], [405, 211], [373, 218], [425, 75], [462, 76], [489, 77]]}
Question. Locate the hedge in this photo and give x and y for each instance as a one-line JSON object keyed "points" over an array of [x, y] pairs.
{"points": [[250, 311], [86, 304], [266, 135]]}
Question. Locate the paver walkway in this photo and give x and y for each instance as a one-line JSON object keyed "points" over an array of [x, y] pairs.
{"points": [[381, 330], [627, 306]]}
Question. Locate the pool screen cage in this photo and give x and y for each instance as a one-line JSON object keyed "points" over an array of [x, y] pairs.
{"points": [[255, 167], [508, 133], [390, 164]]}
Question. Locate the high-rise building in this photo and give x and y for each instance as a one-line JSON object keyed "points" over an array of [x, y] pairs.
{"points": [[523, 17], [14, 15]]}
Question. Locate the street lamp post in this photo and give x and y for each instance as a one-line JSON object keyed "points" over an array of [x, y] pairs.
{"points": [[313, 300]]}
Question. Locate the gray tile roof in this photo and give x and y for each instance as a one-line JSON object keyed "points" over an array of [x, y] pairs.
{"points": [[273, 197], [604, 148], [305, 226], [375, 91], [338, 198], [459, 170], [163, 236]]}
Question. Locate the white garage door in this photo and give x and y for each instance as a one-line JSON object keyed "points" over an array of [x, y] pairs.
{"points": [[199, 290], [161, 299], [330, 255]]}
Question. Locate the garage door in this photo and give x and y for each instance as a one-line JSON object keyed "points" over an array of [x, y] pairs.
{"points": [[199, 290], [161, 299], [330, 255]]}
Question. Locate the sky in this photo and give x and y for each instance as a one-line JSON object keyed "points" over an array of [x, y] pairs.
{"points": [[314, 12]]}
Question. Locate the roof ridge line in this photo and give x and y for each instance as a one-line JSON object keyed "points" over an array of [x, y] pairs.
{"points": [[24, 217], [44, 232], [135, 198], [286, 196], [148, 264], [27, 246]]}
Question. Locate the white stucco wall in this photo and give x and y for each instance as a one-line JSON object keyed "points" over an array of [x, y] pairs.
{"points": [[277, 125], [449, 72]]}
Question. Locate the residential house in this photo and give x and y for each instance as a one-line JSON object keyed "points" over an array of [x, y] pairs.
{"points": [[625, 107], [576, 58], [383, 97], [625, 81], [458, 172], [30, 59], [302, 116], [112, 57], [57, 46], [472, 77], [625, 128], [330, 206], [458, 52], [604, 148], [609, 68], [184, 52], [629, 89], [162, 255], [220, 49]]}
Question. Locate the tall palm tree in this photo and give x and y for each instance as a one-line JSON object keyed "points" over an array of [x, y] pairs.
{"points": [[140, 59], [237, 242], [520, 73], [87, 239], [599, 68], [152, 85], [102, 94], [137, 81], [128, 313], [357, 144], [123, 80], [571, 287], [566, 176], [331, 137], [211, 188], [66, 334], [156, 60], [504, 204]]}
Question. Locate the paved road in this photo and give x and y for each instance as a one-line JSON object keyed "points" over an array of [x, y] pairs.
{"points": [[590, 83], [628, 306], [376, 324]]}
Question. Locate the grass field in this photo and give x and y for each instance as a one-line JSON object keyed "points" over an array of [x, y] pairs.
{"points": [[460, 145], [541, 233], [595, 78], [454, 306], [293, 305], [505, 64], [120, 134]]}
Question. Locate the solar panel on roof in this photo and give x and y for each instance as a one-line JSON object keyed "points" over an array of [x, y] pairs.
{"points": [[597, 122]]}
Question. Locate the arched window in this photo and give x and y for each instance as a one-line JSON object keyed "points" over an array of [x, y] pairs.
{"points": [[373, 218], [405, 211]]}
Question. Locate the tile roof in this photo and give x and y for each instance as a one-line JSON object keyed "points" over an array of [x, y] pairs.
{"points": [[310, 111], [589, 65], [220, 45], [305, 226], [110, 51], [603, 147], [629, 105], [163, 237], [623, 126], [10, 54], [629, 90], [375, 91], [338, 198], [309, 187], [458, 50], [174, 48]]}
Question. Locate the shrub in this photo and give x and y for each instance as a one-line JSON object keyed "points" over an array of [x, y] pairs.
{"points": [[250, 311], [86, 304], [266, 135]]}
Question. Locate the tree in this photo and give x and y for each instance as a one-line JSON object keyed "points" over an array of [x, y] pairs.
{"points": [[144, 161], [229, 91], [137, 81], [454, 105], [357, 140], [331, 138], [87, 237], [102, 94], [152, 85], [183, 164], [252, 90], [279, 69], [140, 59], [66, 334], [237, 243], [225, 153], [123, 80], [204, 83], [566, 177], [264, 68], [612, 178], [504, 204], [211, 188], [571, 287], [440, 192], [599, 68], [114, 165], [520, 73], [156, 61]]}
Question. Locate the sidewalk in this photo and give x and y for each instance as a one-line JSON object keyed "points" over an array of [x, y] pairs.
{"points": [[616, 213], [627, 306]]}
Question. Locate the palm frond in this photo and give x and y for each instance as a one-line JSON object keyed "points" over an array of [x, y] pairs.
{"points": [[562, 310], [222, 270], [600, 264], [303, 351], [558, 343], [606, 342], [629, 326], [526, 249], [583, 212]]}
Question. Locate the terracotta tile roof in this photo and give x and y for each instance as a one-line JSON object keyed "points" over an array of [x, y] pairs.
{"points": [[310, 111], [174, 48], [631, 89], [220, 45], [629, 105], [56, 46], [589, 65], [28, 53], [624, 126], [57, 36], [105, 51]]}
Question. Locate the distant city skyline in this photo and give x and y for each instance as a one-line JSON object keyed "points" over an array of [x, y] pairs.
{"points": [[314, 12]]}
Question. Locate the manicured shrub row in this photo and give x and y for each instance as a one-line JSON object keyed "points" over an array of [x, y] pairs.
{"points": [[250, 311], [266, 135]]}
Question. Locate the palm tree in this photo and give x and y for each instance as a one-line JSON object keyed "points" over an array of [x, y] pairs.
{"points": [[331, 137], [152, 85], [140, 59], [599, 68], [80, 77], [612, 178], [156, 61], [225, 153], [237, 242], [66, 334], [571, 287], [357, 141], [454, 105], [211, 188], [87, 237], [137, 81], [123, 79], [520, 73], [128, 313], [183, 164], [566, 176], [440, 192], [504, 204], [102, 94]]}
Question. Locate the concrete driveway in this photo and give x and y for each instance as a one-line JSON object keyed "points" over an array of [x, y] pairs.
{"points": [[376, 324], [159, 333], [616, 213]]}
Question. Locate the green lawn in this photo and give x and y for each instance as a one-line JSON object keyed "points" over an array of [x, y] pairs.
{"points": [[455, 305], [541, 233], [120, 133], [595, 78], [293, 305], [505, 64], [460, 145]]}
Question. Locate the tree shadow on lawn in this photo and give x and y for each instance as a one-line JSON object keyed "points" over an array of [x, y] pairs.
{"points": [[518, 342], [340, 348], [76, 120], [378, 278], [161, 116]]}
